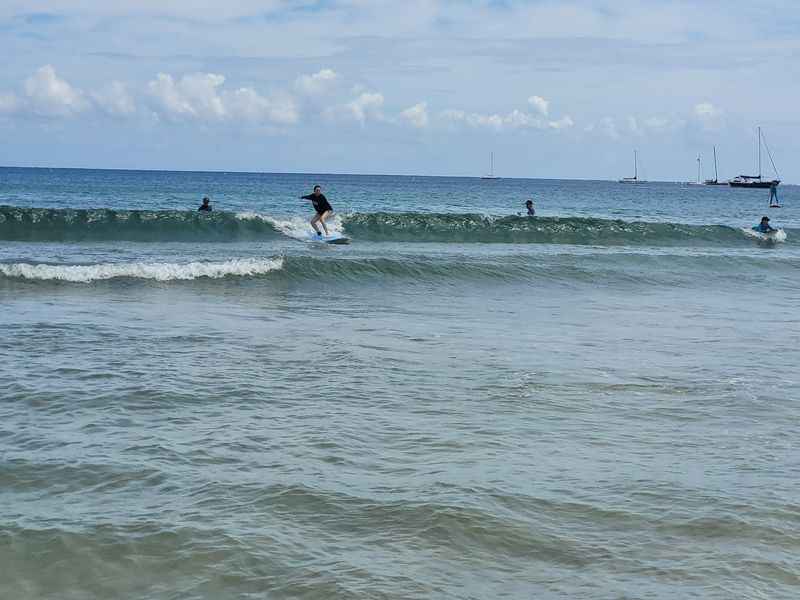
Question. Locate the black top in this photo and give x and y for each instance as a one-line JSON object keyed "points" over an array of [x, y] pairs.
{"points": [[205, 207], [320, 202]]}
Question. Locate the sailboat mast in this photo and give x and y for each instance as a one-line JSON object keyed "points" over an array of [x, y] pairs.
{"points": [[716, 177], [759, 152], [698, 169], [491, 164], [635, 168]]}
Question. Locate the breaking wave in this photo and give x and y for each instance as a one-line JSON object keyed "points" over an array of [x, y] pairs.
{"points": [[597, 269], [54, 225], [103, 224], [154, 271], [444, 227]]}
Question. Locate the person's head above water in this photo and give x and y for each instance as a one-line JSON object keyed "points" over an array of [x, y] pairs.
{"points": [[206, 201], [765, 219], [529, 203], [317, 190]]}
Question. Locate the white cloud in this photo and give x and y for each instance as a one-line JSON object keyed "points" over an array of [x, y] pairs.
{"points": [[564, 122], [114, 99], [705, 110], [50, 96], [416, 115], [192, 95], [196, 96], [199, 96], [516, 119], [631, 125], [317, 83], [246, 104], [541, 105], [368, 105]]}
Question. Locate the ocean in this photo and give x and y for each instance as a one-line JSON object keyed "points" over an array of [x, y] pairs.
{"points": [[464, 403]]}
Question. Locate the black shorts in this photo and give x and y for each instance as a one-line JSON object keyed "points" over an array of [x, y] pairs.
{"points": [[322, 208]]}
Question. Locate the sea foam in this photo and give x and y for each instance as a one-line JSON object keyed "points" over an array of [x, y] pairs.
{"points": [[778, 236], [154, 271], [294, 227]]}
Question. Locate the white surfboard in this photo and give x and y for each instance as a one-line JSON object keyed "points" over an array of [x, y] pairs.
{"points": [[772, 237], [333, 238]]}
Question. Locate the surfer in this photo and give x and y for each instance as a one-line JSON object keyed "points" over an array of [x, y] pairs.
{"points": [[206, 205], [773, 196], [764, 226], [323, 208], [531, 209]]}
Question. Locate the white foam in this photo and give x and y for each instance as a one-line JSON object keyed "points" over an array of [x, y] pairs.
{"points": [[252, 216], [298, 228], [778, 236], [156, 271]]}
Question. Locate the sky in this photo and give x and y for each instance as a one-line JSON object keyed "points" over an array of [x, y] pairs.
{"points": [[554, 89]]}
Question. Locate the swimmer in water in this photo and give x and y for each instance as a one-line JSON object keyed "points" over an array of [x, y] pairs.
{"points": [[764, 226], [531, 209]]}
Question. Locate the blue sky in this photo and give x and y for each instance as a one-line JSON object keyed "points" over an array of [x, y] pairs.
{"points": [[554, 89]]}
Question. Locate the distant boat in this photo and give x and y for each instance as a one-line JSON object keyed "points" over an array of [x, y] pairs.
{"points": [[716, 180], [491, 174], [699, 173], [756, 181], [635, 178]]}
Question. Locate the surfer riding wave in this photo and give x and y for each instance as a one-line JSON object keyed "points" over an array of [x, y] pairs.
{"points": [[322, 208]]}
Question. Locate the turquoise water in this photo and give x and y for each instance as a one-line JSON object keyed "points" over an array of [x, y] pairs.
{"points": [[601, 402]]}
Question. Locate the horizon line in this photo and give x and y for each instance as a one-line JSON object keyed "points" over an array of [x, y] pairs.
{"points": [[220, 171]]}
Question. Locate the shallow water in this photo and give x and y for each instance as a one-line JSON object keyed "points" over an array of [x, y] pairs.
{"points": [[600, 403]]}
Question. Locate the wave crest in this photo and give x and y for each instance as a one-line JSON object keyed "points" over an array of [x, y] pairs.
{"points": [[625, 268], [75, 225], [462, 228], [154, 271], [54, 225]]}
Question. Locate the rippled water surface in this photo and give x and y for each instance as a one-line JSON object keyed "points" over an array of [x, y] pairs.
{"points": [[601, 402]]}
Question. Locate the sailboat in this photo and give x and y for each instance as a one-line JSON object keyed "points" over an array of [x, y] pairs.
{"points": [[716, 180], [491, 174], [756, 181], [699, 173], [635, 178]]}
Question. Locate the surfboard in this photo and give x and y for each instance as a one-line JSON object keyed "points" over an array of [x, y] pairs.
{"points": [[338, 240], [333, 238], [769, 238]]}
